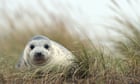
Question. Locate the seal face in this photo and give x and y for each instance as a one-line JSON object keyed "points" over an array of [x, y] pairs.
{"points": [[40, 51]]}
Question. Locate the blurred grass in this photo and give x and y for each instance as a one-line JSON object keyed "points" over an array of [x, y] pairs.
{"points": [[129, 43], [94, 65]]}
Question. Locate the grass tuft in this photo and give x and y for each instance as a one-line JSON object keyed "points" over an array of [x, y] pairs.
{"points": [[92, 64]]}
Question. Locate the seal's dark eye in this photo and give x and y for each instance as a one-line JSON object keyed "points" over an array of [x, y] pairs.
{"points": [[32, 47], [46, 46]]}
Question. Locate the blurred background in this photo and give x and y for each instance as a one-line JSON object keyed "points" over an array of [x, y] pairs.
{"points": [[89, 16], [86, 15], [97, 19]]}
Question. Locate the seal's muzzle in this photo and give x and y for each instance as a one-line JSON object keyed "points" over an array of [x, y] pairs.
{"points": [[39, 58]]}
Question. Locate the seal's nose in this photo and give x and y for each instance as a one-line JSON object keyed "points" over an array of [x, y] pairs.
{"points": [[38, 55]]}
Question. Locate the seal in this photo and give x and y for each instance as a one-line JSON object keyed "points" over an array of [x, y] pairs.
{"points": [[41, 51]]}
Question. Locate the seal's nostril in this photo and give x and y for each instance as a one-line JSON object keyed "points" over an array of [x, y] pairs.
{"points": [[38, 54]]}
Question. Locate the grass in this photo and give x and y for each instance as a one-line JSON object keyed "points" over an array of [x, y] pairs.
{"points": [[128, 46], [93, 64]]}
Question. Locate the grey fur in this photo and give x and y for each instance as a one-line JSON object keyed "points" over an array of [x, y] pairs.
{"points": [[39, 37]]}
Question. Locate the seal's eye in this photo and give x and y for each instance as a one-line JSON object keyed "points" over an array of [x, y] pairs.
{"points": [[46, 46], [32, 47]]}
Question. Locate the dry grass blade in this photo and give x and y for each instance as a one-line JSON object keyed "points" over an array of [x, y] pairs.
{"points": [[129, 46]]}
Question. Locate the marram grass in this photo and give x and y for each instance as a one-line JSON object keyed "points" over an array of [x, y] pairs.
{"points": [[93, 65], [129, 43]]}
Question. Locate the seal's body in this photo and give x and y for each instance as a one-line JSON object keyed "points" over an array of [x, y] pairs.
{"points": [[41, 51]]}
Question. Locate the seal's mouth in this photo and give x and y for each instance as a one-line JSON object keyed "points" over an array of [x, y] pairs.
{"points": [[39, 61]]}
